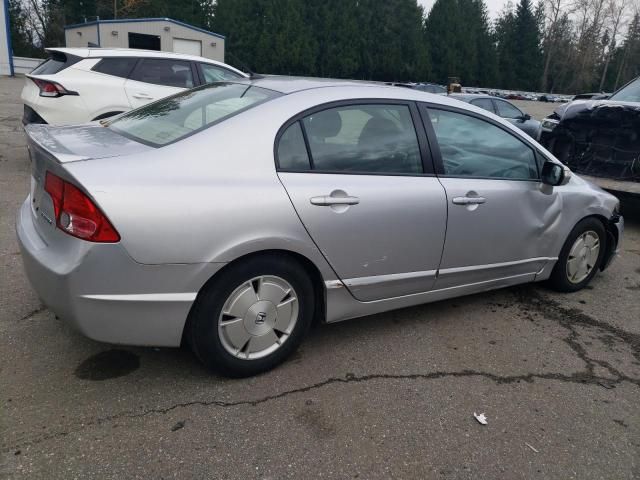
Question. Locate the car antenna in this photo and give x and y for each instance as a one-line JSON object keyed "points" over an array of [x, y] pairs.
{"points": [[252, 75]]}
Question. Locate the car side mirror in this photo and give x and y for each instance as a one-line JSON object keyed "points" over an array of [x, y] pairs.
{"points": [[526, 117], [554, 174]]}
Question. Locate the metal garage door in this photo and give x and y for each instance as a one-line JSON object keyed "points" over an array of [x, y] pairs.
{"points": [[190, 47]]}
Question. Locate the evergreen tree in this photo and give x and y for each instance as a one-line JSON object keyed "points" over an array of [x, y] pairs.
{"points": [[460, 40], [528, 55], [505, 33]]}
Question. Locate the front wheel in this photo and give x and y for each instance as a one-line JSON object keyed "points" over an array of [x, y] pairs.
{"points": [[253, 316], [580, 257]]}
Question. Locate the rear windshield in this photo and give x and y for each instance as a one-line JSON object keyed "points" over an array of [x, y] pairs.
{"points": [[56, 62], [173, 118], [630, 93]]}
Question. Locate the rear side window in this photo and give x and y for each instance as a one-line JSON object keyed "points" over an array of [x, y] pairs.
{"points": [[168, 72], [471, 147], [292, 152], [213, 73], [178, 116], [56, 62], [484, 103], [362, 138], [118, 67]]}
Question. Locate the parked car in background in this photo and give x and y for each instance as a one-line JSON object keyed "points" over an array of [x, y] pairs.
{"points": [[504, 109], [599, 138], [234, 214], [591, 96], [78, 85], [423, 87]]}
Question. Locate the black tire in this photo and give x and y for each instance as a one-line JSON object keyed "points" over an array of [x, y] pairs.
{"points": [[559, 279], [203, 334]]}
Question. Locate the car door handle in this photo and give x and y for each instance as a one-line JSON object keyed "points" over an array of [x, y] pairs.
{"points": [[142, 96], [469, 200], [327, 200]]}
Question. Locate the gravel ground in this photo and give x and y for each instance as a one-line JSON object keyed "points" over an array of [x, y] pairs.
{"points": [[537, 110], [386, 396]]}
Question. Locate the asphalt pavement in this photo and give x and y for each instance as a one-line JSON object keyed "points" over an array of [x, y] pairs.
{"points": [[386, 396]]}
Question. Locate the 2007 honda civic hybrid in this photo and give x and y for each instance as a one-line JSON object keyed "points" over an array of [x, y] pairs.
{"points": [[232, 215]]}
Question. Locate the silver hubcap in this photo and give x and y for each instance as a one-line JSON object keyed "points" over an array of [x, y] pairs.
{"points": [[583, 256], [258, 317]]}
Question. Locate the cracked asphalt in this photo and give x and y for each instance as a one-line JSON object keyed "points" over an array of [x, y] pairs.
{"points": [[386, 396]]}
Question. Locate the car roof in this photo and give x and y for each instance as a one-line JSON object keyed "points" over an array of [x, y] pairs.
{"points": [[95, 52], [289, 85]]}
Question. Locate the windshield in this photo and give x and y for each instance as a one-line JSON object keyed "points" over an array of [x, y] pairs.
{"points": [[629, 93], [181, 115]]}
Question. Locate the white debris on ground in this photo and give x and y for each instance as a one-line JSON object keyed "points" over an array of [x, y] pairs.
{"points": [[480, 418]]}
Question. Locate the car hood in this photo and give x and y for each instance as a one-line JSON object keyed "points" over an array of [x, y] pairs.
{"points": [[82, 142], [584, 109]]}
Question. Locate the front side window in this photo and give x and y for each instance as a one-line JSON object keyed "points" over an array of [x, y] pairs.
{"points": [[118, 67], [168, 72], [471, 147], [213, 73], [364, 138], [629, 93], [484, 103], [180, 115], [506, 110]]}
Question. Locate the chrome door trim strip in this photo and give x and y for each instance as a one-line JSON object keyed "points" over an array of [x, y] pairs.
{"points": [[145, 297], [332, 284], [487, 266], [392, 277]]}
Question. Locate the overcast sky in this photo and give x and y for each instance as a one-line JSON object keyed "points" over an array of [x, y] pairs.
{"points": [[494, 6]]}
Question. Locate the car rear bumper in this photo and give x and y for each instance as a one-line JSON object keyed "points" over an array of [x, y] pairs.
{"points": [[31, 116], [105, 294]]}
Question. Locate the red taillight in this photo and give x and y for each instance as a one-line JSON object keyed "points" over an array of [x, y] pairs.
{"points": [[51, 89], [76, 214]]}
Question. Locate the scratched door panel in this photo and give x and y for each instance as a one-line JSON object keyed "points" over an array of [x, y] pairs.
{"points": [[388, 244]]}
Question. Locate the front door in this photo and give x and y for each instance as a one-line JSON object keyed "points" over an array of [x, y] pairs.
{"points": [[360, 180], [498, 209]]}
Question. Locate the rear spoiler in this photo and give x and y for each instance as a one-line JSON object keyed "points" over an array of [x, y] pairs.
{"points": [[74, 143], [42, 136]]}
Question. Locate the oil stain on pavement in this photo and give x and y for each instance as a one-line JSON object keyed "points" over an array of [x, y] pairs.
{"points": [[107, 365]]}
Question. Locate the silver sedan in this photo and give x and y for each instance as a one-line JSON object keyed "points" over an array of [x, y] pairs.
{"points": [[233, 215]]}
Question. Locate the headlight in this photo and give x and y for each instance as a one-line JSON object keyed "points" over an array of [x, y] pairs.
{"points": [[549, 124]]}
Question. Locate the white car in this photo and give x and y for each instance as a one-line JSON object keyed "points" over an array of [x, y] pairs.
{"points": [[78, 85]]}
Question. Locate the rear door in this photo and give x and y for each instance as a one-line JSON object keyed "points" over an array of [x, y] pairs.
{"points": [[156, 78], [361, 180], [498, 212]]}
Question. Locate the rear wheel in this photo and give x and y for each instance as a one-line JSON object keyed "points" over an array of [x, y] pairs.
{"points": [[580, 257], [252, 316]]}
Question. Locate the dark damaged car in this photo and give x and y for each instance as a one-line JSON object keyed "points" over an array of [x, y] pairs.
{"points": [[599, 139]]}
